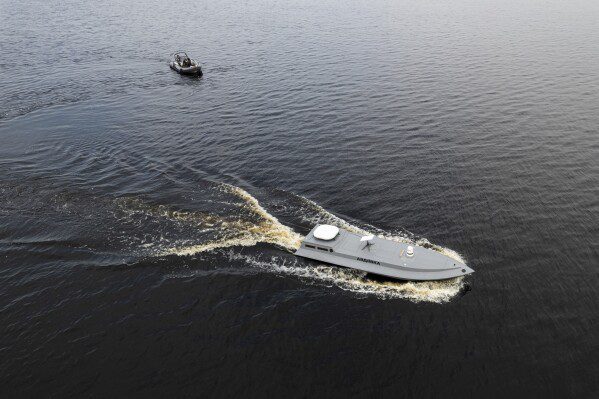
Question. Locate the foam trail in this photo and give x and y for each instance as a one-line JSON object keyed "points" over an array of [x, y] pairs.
{"points": [[240, 232], [356, 281], [260, 226]]}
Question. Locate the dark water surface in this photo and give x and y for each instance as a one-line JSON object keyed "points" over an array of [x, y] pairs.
{"points": [[148, 220]]}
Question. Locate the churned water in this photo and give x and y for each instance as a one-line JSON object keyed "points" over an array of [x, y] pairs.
{"points": [[148, 220]]}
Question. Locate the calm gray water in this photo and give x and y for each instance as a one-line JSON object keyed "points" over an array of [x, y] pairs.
{"points": [[148, 220]]}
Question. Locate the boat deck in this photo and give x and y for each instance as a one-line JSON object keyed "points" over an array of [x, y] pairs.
{"points": [[384, 257]]}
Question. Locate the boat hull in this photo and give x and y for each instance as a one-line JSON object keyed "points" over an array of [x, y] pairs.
{"points": [[383, 257], [194, 70]]}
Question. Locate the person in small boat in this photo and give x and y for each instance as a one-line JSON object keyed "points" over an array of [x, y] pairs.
{"points": [[186, 62]]}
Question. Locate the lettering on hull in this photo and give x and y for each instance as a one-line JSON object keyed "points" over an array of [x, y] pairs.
{"points": [[369, 261]]}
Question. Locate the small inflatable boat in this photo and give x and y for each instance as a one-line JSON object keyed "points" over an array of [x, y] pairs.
{"points": [[185, 65]]}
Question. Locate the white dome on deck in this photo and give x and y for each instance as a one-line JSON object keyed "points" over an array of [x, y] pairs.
{"points": [[326, 232]]}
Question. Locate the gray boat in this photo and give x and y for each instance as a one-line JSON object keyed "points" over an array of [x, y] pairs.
{"points": [[377, 255], [185, 65]]}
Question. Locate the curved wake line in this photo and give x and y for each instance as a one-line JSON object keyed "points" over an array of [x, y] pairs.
{"points": [[356, 281], [243, 233], [268, 229]]}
